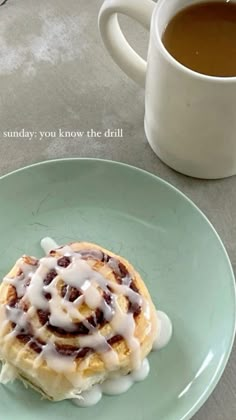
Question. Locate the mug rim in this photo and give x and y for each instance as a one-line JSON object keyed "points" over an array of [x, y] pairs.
{"points": [[176, 63]]}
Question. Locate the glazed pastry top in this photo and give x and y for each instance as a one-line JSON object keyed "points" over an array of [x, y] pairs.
{"points": [[80, 307]]}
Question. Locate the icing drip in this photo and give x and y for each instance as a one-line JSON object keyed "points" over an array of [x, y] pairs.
{"points": [[116, 385], [89, 398], [164, 331], [48, 244]]}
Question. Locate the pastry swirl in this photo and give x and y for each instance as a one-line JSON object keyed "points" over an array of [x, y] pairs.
{"points": [[74, 317]]}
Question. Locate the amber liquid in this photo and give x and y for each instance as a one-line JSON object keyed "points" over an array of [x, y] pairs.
{"points": [[202, 37]]}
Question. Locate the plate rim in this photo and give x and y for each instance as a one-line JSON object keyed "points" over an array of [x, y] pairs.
{"points": [[218, 375]]}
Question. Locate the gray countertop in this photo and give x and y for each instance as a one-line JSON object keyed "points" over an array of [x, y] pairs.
{"points": [[55, 74]]}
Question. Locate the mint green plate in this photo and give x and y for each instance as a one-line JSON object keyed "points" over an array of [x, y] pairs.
{"points": [[170, 242]]}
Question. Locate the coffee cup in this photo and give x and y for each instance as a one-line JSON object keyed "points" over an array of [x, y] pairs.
{"points": [[190, 117]]}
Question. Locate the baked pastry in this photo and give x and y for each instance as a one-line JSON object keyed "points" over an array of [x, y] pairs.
{"points": [[73, 318]]}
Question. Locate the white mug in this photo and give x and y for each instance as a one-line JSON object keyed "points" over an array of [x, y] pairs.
{"points": [[190, 118]]}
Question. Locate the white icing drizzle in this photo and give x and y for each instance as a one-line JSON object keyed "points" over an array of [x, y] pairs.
{"points": [[124, 325], [34, 290], [57, 362]]}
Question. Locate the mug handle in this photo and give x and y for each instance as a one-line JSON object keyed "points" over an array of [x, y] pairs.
{"points": [[114, 40]]}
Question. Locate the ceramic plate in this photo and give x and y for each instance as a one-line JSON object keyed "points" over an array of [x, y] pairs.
{"points": [[171, 243]]}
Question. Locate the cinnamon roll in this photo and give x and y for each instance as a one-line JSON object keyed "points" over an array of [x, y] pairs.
{"points": [[73, 318]]}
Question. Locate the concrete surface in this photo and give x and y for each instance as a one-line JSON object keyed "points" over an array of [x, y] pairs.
{"points": [[55, 74]]}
